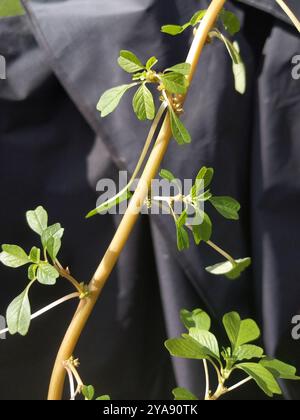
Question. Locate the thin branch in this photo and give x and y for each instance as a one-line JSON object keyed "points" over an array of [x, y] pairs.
{"points": [[71, 383], [48, 308], [222, 252], [245, 381], [290, 14]]}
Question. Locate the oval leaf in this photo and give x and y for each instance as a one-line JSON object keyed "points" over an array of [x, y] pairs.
{"points": [[111, 99], [195, 319], [37, 219], [175, 83], [207, 340], [18, 314], [264, 379], [143, 104], [228, 207], [182, 394], [182, 68], [180, 133], [13, 256], [46, 274], [129, 62]]}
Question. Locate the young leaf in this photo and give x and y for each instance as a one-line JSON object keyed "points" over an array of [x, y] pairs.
{"points": [[32, 269], [187, 348], [240, 332], [13, 256], [280, 369], [129, 62], [173, 29], [167, 175], [11, 8], [230, 22], [18, 314], [248, 352], [180, 133], [54, 231], [195, 319], [228, 207], [182, 394], [202, 181], [37, 219], [151, 63], [227, 269], [175, 83], [198, 16], [53, 247], [182, 68], [182, 238], [143, 104], [35, 255], [47, 274], [207, 340], [110, 100], [112, 202], [88, 392], [103, 398], [264, 379]]}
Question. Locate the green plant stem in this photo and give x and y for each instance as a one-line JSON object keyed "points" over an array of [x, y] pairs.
{"points": [[129, 220], [222, 252], [66, 275], [207, 381]]}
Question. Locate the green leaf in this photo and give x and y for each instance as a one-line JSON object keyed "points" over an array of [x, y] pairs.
{"points": [[238, 66], [227, 269], [32, 269], [88, 392], [112, 202], [35, 255], [129, 62], [195, 319], [280, 369], [240, 332], [204, 230], [228, 207], [47, 274], [37, 220], [248, 352], [103, 398], [182, 68], [53, 247], [230, 22], [18, 314], [151, 63], [183, 241], [54, 231], [143, 104], [264, 379], [202, 181], [167, 175], [110, 100], [182, 394], [11, 8], [175, 83], [198, 16], [13, 256], [187, 348], [180, 133], [172, 29], [207, 340]]}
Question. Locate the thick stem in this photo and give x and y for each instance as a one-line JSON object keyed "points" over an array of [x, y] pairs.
{"points": [[129, 220], [290, 14]]}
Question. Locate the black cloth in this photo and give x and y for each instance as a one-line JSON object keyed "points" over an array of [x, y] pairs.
{"points": [[54, 148]]}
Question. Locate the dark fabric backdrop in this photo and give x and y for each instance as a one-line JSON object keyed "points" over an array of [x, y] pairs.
{"points": [[54, 147]]}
